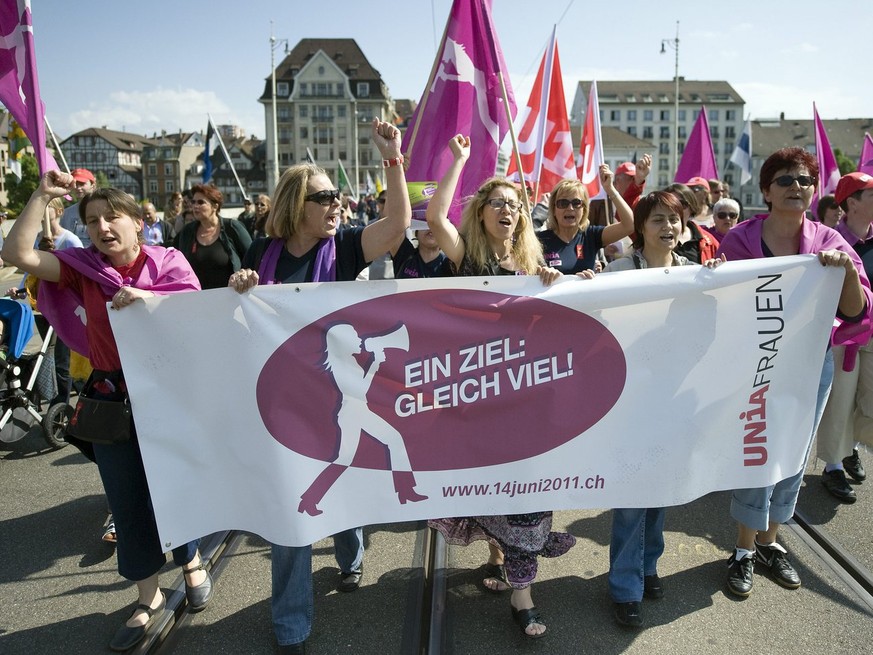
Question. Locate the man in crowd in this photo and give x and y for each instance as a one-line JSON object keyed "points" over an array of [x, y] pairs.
{"points": [[85, 184]]}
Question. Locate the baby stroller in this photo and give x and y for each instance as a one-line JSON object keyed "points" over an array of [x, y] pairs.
{"points": [[27, 379]]}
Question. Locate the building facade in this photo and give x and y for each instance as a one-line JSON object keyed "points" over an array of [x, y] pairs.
{"points": [[118, 155], [647, 110], [165, 164], [327, 95]]}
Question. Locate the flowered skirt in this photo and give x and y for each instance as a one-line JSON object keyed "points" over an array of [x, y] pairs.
{"points": [[521, 537]]}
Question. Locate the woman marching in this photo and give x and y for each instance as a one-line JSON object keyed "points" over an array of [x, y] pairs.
{"points": [[116, 268], [496, 238]]}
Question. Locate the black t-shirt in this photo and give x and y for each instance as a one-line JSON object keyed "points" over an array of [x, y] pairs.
{"points": [[290, 269], [574, 257], [408, 263], [211, 264]]}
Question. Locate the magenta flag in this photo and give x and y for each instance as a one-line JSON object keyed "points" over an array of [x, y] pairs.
{"points": [[828, 171], [463, 97], [698, 158], [19, 83], [865, 163]]}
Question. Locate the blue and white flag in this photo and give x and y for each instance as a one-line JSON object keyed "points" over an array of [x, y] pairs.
{"points": [[742, 156], [212, 144]]}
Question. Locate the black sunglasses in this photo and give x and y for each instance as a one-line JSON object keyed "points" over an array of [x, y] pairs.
{"points": [[731, 215], [563, 203], [787, 180], [325, 197]]}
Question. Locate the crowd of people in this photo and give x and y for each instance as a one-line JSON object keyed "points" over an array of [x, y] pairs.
{"points": [[308, 232]]}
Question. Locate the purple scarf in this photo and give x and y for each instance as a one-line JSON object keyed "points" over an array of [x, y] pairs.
{"points": [[325, 262], [165, 271]]}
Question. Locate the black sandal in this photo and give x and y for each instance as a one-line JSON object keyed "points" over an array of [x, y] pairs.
{"points": [[496, 572], [524, 618]]}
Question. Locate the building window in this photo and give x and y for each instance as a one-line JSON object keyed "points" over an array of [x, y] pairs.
{"points": [[340, 111], [665, 114], [728, 146], [304, 111], [341, 132], [681, 114], [632, 130], [730, 132], [153, 170], [681, 147], [321, 70], [322, 89], [664, 148], [168, 169], [647, 132], [683, 132], [285, 135], [343, 155], [713, 131], [631, 114], [615, 115], [662, 163], [695, 114], [662, 180], [730, 114], [713, 115], [282, 89], [664, 132], [169, 186], [153, 186], [363, 90], [304, 89], [304, 132], [648, 115], [283, 113]]}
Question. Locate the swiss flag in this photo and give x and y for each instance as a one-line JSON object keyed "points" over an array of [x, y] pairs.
{"points": [[544, 142], [591, 148]]}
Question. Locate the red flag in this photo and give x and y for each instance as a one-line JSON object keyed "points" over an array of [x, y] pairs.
{"points": [[544, 141], [591, 147], [19, 84], [698, 158]]}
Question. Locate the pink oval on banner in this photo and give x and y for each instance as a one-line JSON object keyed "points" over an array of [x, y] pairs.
{"points": [[469, 379]]}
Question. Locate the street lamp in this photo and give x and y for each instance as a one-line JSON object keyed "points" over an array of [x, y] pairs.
{"points": [[674, 43], [273, 173]]}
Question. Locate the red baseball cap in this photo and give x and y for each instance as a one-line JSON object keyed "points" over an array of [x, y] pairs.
{"points": [[627, 168], [852, 183], [83, 175], [698, 181]]}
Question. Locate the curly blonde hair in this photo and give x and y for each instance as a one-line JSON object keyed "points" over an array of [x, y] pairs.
{"points": [[526, 248]]}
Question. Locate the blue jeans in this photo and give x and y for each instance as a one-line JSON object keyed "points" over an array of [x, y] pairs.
{"points": [[636, 544], [292, 583], [757, 508]]}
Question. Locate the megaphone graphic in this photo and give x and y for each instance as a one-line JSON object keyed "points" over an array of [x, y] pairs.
{"points": [[398, 339]]}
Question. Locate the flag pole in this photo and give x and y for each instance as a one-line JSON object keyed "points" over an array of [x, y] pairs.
{"points": [[57, 145], [420, 109], [227, 157], [524, 197]]}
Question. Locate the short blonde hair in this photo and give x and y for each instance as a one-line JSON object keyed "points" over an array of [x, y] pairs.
{"points": [[286, 210], [566, 187]]}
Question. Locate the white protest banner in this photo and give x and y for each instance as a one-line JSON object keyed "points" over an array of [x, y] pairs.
{"points": [[295, 411]]}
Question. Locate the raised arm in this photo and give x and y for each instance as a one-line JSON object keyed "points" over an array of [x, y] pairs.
{"points": [[386, 234], [445, 233], [625, 225], [18, 248]]}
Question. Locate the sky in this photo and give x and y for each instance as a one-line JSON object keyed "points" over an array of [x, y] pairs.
{"points": [[146, 65]]}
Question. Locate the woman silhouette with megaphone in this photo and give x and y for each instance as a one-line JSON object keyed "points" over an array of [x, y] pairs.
{"points": [[355, 417]]}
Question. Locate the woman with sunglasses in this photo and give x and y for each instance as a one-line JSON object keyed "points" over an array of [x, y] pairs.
{"points": [[307, 246], [787, 180], [725, 213], [570, 243], [213, 245], [496, 238]]}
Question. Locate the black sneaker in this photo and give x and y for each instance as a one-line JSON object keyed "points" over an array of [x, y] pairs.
{"points": [[853, 466], [349, 582], [629, 614], [741, 574], [838, 487], [652, 587], [774, 558]]}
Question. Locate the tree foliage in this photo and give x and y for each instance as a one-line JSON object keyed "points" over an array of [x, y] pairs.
{"points": [[845, 164], [19, 191]]}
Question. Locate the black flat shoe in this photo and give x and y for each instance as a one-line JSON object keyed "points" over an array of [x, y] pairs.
{"points": [[629, 614], [350, 582], [292, 649], [524, 618], [199, 596], [652, 587], [127, 637]]}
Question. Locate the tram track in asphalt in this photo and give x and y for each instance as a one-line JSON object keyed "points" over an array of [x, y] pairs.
{"points": [[424, 625]]}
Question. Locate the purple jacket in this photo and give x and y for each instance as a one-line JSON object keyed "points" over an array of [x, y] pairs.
{"points": [[165, 271], [744, 242]]}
